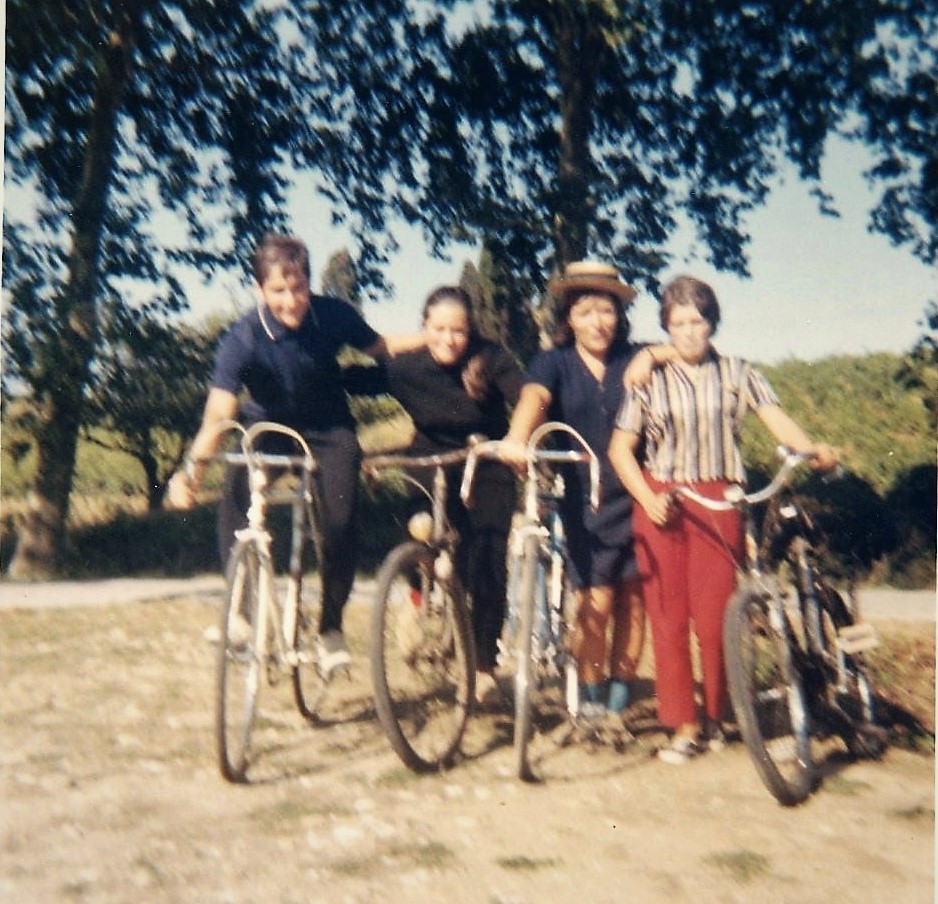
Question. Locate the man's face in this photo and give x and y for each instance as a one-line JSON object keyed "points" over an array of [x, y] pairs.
{"points": [[286, 296]]}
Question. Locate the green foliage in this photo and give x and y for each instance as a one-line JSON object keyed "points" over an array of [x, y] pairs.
{"points": [[148, 392], [883, 508], [596, 126], [856, 404]]}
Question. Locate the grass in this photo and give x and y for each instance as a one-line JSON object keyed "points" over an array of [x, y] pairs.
{"points": [[743, 866], [418, 855], [521, 863], [902, 672]]}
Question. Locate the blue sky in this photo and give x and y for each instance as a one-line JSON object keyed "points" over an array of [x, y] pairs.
{"points": [[819, 286]]}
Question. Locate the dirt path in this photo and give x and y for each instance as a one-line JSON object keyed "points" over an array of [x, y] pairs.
{"points": [[111, 794]]}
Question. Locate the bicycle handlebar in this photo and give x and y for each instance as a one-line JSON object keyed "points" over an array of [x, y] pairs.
{"points": [[439, 459], [492, 450], [734, 495], [250, 457]]}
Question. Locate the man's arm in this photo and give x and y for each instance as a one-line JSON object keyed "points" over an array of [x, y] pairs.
{"points": [[220, 406], [397, 344]]}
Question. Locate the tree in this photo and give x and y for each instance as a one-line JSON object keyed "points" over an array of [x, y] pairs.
{"points": [[919, 369], [148, 392], [553, 129], [340, 279], [120, 115]]}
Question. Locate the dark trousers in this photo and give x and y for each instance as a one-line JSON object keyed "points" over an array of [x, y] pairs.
{"points": [[483, 545], [339, 458]]}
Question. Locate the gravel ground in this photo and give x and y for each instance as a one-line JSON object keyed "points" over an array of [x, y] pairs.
{"points": [[877, 603]]}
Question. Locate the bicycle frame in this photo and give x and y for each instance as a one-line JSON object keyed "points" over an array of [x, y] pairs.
{"points": [[303, 522], [536, 618], [792, 659]]}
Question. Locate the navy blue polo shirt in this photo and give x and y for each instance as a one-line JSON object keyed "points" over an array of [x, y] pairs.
{"points": [[293, 378], [589, 406]]}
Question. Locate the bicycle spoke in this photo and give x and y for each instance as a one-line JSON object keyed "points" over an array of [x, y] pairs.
{"points": [[421, 659]]}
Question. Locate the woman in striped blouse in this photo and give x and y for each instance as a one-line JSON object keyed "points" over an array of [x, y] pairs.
{"points": [[689, 417]]}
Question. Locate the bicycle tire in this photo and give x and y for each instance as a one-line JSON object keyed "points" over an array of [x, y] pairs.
{"points": [[524, 665], [767, 695], [239, 666], [309, 684], [422, 657]]}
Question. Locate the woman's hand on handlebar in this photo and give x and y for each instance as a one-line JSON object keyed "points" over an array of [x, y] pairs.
{"points": [[823, 457], [514, 454]]}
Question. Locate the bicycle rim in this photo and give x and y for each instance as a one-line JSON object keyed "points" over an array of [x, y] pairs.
{"points": [[422, 658], [239, 668], [848, 689], [524, 665], [309, 686], [768, 697]]}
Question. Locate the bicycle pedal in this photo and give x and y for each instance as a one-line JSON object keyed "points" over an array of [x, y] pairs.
{"points": [[857, 638], [328, 675]]}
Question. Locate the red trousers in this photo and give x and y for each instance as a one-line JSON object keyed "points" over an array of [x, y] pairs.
{"points": [[688, 571]]}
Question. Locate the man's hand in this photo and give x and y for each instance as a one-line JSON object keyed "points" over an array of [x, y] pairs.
{"points": [[179, 492]]}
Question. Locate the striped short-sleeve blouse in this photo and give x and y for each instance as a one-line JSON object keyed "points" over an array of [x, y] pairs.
{"points": [[690, 418]]}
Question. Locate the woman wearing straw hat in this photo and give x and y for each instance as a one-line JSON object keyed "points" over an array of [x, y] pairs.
{"points": [[581, 382]]}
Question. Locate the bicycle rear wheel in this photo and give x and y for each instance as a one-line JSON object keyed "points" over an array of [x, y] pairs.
{"points": [[524, 665], [848, 690], [309, 684], [239, 665], [767, 695], [422, 657]]}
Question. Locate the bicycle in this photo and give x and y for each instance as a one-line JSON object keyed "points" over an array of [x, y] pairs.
{"points": [[422, 651], [260, 635], [793, 644], [541, 607]]}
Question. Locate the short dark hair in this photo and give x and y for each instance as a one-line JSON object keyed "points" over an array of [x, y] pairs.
{"points": [[476, 378], [563, 332], [689, 290], [285, 251], [455, 294]]}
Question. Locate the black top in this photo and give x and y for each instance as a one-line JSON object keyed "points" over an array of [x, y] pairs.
{"points": [[443, 413], [588, 405], [292, 375]]}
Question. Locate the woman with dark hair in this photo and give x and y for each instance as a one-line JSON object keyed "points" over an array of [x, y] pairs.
{"points": [[688, 419], [581, 382], [458, 385]]}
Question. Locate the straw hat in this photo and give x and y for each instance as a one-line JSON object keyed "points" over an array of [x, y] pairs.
{"points": [[586, 275]]}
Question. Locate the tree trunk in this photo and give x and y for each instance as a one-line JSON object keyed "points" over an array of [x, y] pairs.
{"points": [[580, 44], [41, 532], [156, 488]]}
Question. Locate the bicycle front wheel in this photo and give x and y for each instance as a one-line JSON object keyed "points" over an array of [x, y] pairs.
{"points": [[767, 695], [239, 664], [422, 657], [524, 665]]}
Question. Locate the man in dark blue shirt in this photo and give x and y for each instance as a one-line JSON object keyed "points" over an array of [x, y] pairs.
{"points": [[284, 354]]}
